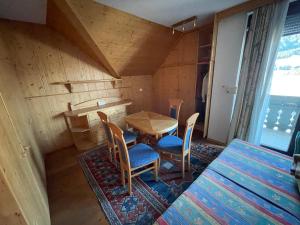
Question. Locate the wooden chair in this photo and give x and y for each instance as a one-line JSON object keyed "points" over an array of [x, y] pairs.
{"points": [[174, 110], [175, 146], [130, 137], [137, 157]]}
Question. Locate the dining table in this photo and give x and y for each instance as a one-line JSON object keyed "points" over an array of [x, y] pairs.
{"points": [[151, 123]]}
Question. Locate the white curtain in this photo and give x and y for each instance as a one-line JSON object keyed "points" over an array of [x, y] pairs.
{"points": [[256, 71], [263, 89]]}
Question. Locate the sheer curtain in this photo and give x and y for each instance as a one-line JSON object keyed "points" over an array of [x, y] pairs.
{"points": [[256, 71]]}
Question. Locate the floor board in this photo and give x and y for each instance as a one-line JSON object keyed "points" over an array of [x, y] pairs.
{"points": [[71, 200]]}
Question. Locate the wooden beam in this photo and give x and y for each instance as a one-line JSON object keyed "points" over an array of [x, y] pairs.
{"points": [[125, 44], [60, 16]]}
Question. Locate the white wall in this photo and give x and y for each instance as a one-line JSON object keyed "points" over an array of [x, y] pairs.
{"points": [[230, 39]]}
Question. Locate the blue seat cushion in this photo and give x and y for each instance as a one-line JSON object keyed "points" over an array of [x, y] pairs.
{"points": [[172, 131], [141, 154], [129, 136], [170, 143]]}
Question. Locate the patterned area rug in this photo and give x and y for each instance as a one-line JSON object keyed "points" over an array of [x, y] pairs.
{"points": [[149, 199]]}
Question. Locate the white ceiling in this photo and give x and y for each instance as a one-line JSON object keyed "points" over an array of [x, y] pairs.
{"points": [[168, 12], [24, 10], [164, 12]]}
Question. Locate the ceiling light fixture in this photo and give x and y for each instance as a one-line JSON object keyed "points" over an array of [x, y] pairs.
{"points": [[187, 24]]}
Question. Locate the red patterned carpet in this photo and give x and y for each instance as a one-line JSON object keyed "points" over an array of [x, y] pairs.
{"points": [[149, 198]]}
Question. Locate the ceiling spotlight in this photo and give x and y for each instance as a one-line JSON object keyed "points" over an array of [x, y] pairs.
{"points": [[182, 27], [195, 22], [173, 31]]}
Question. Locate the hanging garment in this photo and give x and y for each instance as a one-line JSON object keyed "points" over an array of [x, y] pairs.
{"points": [[204, 87]]}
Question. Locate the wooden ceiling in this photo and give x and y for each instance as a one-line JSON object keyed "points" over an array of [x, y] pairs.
{"points": [[124, 44]]}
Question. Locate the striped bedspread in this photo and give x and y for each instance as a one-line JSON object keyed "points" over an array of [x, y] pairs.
{"points": [[244, 185]]}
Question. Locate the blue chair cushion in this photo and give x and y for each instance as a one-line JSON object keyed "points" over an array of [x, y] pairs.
{"points": [[129, 136], [141, 154], [172, 131], [170, 143]]}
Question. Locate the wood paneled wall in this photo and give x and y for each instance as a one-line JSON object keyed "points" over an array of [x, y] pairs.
{"points": [[22, 174], [41, 57], [176, 77], [126, 44]]}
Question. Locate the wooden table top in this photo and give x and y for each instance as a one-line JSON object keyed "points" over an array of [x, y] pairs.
{"points": [[151, 123]]}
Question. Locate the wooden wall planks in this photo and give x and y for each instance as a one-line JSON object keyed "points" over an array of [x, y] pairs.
{"points": [[9, 210], [131, 45], [42, 56], [176, 77], [21, 162]]}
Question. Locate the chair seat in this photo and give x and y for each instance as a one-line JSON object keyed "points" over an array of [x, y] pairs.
{"points": [[141, 154], [129, 136], [171, 144], [172, 131]]}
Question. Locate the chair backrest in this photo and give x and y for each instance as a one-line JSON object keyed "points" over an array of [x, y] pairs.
{"points": [[108, 132], [188, 133], [120, 141], [174, 107]]}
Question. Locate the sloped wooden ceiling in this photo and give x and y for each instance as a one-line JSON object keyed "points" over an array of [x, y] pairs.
{"points": [[125, 44]]}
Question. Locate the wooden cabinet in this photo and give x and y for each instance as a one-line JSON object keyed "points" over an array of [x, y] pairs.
{"points": [[21, 188], [176, 78], [203, 67]]}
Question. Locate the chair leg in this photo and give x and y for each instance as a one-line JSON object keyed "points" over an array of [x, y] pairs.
{"points": [[123, 176], [183, 166], [156, 170], [129, 182], [189, 161]]}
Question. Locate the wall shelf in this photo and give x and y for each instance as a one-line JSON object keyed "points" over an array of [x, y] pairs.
{"points": [[85, 111], [203, 63], [69, 84], [205, 46]]}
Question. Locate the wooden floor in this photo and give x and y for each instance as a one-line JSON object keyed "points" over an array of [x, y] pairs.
{"points": [[71, 200]]}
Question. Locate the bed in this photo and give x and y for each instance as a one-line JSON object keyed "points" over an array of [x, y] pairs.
{"points": [[246, 184]]}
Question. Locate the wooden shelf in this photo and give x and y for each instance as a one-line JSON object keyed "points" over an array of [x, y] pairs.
{"points": [[68, 84], [203, 63], [79, 130], [205, 46], [85, 81], [199, 126], [85, 111]]}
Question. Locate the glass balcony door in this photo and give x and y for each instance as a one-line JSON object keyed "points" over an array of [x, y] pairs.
{"points": [[284, 97]]}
